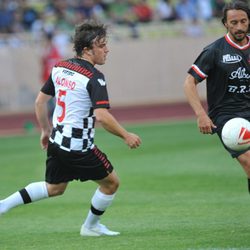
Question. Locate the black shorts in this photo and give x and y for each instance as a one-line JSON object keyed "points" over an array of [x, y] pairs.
{"points": [[220, 122], [63, 166]]}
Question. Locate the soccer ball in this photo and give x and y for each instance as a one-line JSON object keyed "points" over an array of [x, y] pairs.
{"points": [[236, 134]]}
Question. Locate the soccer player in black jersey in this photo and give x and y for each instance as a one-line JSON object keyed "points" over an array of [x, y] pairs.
{"points": [[81, 99], [225, 64]]}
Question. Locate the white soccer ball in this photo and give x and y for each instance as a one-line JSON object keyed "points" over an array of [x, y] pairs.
{"points": [[236, 134]]}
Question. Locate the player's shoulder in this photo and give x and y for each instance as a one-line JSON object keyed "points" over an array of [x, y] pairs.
{"points": [[217, 44], [80, 66], [91, 68], [98, 72]]}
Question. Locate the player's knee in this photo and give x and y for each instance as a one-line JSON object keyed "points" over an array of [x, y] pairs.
{"points": [[55, 190], [111, 188], [115, 185]]}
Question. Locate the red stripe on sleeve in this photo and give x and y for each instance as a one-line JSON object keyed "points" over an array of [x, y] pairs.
{"points": [[102, 102]]}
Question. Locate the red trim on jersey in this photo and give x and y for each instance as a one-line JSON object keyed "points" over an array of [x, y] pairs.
{"points": [[235, 45], [76, 68], [198, 72], [102, 102]]}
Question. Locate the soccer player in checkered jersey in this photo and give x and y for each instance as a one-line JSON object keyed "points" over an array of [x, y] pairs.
{"points": [[82, 98], [225, 64]]}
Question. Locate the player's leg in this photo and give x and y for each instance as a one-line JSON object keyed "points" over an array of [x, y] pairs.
{"points": [[56, 189], [39, 190], [244, 160], [101, 200], [31, 193]]}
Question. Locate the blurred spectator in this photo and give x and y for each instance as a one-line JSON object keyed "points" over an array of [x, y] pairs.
{"points": [[205, 10], [29, 15], [165, 10], [57, 19], [120, 12], [100, 11], [17, 21], [143, 11], [186, 10], [18, 16], [64, 14], [89, 9], [6, 17], [50, 55]]}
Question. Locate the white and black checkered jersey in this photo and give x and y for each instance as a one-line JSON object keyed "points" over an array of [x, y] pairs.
{"points": [[226, 67], [79, 88]]}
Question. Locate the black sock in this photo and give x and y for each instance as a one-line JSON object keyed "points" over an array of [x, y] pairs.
{"points": [[248, 185], [95, 211], [25, 196]]}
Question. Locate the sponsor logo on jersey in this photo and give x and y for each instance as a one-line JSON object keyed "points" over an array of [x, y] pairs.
{"points": [[240, 73], [231, 58], [67, 72], [102, 82]]}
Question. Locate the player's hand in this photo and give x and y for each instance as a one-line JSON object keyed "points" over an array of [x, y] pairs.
{"points": [[44, 139], [132, 140], [205, 124]]}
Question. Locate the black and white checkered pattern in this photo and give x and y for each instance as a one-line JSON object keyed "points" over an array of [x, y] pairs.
{"points": [[79, 88], [77, 139]]}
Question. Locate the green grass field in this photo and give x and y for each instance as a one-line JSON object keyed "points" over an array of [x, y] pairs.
{"points": [[180, 190]]}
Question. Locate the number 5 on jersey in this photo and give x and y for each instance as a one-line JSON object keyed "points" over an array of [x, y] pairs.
{"points": [[61, 103]]}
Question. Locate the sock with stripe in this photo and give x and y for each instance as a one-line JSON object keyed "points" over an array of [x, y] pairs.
{"points": [[33, 192], [99, 203]]}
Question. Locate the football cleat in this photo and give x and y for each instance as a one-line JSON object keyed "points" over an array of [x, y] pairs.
{"points": [[98, 230]]}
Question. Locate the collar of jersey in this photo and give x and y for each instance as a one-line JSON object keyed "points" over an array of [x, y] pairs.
{"points": [[232, 43]]}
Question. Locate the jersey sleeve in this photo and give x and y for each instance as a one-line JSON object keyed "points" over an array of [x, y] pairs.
{"points": [[202, 65], [98, 92], [48, 88]]}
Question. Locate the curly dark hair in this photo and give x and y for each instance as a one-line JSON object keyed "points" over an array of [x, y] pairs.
{"points": [[86, 33], [235, 5]]}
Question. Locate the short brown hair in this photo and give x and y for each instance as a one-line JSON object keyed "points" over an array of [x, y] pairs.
{"points": [[86, 33]]}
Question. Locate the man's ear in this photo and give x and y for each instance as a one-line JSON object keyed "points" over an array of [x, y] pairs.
{"points": [[88, 51]]}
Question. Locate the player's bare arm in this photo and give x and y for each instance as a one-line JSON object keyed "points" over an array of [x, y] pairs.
{"points": [[204, 123], [109, 123], [41, 110]]}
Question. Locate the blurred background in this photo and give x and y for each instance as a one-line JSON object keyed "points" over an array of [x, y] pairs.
{"points": [[152, 45]]}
